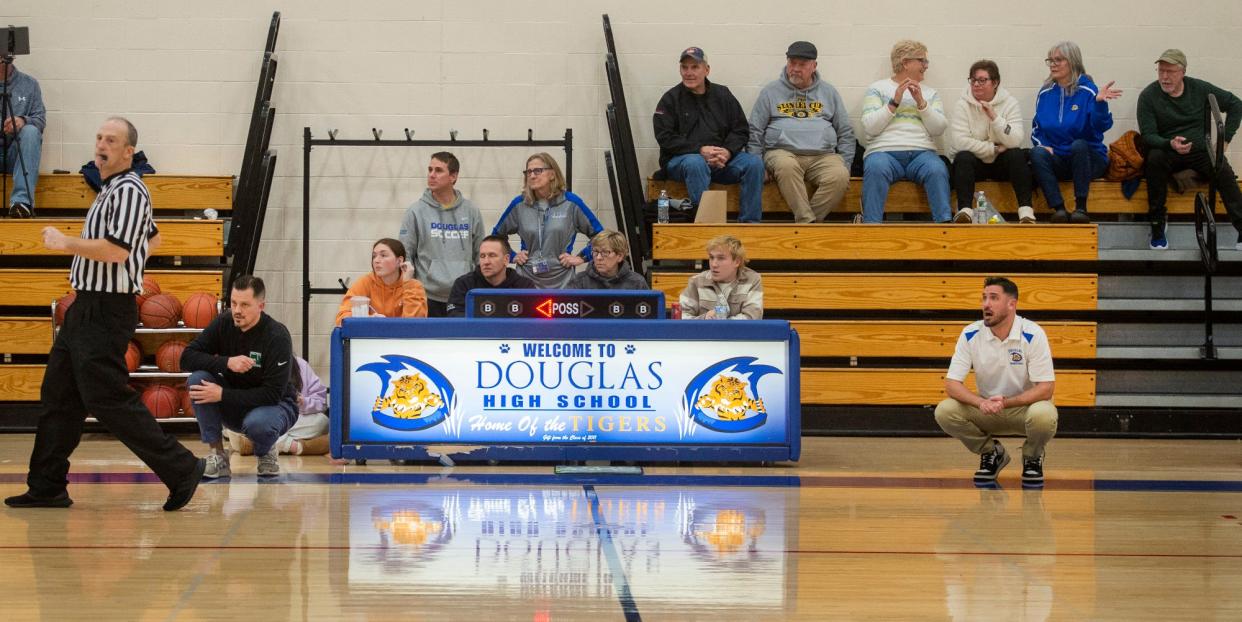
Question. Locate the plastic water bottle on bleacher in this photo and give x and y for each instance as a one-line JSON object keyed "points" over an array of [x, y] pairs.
{"points": [[981, 208], [662, 207]]}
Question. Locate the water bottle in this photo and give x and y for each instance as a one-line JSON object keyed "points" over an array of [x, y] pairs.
{"points": [[981, 208], [662, 207]]}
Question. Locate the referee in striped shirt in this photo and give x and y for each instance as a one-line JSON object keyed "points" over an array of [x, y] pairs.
{"points": [[87, 361]]}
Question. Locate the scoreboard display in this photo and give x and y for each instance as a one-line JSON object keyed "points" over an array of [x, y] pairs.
{"points": [[575, 304]]}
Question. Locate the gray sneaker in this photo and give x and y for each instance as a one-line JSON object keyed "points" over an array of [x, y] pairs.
{"points": [[217, 466], [269, 463]]}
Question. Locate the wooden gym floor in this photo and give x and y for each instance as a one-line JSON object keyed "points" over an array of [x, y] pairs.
{"points": [[884, 529]]}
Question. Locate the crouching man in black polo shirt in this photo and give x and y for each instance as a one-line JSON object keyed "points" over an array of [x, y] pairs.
{"points": [[241, 380]]}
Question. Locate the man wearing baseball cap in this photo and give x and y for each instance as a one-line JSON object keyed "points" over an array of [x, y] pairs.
{"points": [[1170, 116], [801, 127], [702, 134]]}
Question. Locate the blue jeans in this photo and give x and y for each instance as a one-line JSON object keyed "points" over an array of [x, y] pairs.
{"points": [[263, 425], [743, 167], [1082, 165], [26, 172], [923, 167]]}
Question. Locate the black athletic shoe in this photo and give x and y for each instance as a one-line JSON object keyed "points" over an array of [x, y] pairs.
{"points": [[1060, 216], [1033, 471], [21, 210], [25, 500], [1080, 217], [991, 463], [184, 491]]}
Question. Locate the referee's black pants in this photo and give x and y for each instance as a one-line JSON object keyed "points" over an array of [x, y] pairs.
{"points": [[86, 373]]}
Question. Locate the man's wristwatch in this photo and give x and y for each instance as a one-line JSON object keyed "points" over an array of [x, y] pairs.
{"points": [[894, 103]]}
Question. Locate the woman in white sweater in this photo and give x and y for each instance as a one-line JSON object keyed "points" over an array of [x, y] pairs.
{"points": [[985, 135], [901, 120]]}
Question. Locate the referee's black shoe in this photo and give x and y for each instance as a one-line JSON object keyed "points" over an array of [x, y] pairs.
{"points": [[21, 210], [184, 491], [27, 500]]}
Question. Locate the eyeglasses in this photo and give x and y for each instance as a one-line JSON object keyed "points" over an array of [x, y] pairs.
{"points": [[924, 61], [535, 171], [979, 81], [605, 252], [1053, 61]]}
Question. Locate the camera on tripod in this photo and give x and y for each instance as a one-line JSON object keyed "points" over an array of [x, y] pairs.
{"points": [[16, 42]]}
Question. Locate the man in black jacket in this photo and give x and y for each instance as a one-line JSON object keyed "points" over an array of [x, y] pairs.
{"points": [[241, 379], [703, 132], [493, 272]]}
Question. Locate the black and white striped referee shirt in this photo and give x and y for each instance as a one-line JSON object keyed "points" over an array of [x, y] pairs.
{"points": [[122, 215]]}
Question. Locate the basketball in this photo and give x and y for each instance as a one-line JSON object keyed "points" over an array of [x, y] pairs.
{"points": [[149, 289], [133, 356], [160, 311], [162, 400], [62, 307], [199, 310], [187, 407], [168, 356]]}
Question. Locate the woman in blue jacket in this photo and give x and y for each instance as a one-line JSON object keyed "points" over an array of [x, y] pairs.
{"points": [[1071, 116]]}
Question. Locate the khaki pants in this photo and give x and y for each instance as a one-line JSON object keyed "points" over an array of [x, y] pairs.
{"points": [[1037, 422], [826, 172]]}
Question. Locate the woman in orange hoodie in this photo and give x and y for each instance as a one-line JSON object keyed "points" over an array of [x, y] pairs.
{"points": [[391, 286]]}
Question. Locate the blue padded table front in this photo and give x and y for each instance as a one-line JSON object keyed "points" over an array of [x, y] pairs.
{"points": [[563, 390]]}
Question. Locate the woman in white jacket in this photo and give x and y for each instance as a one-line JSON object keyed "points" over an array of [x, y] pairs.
{"points": [[985, 135]]}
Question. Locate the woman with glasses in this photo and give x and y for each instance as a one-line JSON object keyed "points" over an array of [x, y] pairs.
{"points": [[901, 120], [608, 269], [547, 218], [1071, 116], [984, 136]]}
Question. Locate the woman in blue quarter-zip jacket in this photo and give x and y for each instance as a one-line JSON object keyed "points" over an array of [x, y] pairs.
{"points": [[1071, 116]]}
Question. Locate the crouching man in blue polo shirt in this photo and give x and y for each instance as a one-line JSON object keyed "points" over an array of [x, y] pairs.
{"points": [[1014, 377]]}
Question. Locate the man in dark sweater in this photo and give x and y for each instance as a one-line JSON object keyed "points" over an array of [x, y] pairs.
{"points": [[241, 379], [1170, 115], [22, 143], [702, 133], [493, 272]]}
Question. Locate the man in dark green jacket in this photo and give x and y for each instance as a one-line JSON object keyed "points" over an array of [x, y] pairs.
{"points": [[1170, 114]]}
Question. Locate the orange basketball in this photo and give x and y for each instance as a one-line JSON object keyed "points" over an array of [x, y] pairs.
{"points": [[62, 307], [160, 311], [199, 310], [133, 356], [168, 356], [162, 400], [149, 289], [187, 407]]}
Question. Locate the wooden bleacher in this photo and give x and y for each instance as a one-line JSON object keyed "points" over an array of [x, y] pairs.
{"points": [[908, 198], [848, 308], [32, 277]]}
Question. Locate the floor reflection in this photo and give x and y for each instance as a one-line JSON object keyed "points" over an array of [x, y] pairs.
{"points": [[718, 548]]}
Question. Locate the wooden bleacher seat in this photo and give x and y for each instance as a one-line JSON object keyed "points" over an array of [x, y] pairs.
{"points": [[913, 291], [20, 383], [906, 197], [25, 335], [168, 192], [906, 242], [888, 386], [924, 339], [38, 287], [184, 238]]}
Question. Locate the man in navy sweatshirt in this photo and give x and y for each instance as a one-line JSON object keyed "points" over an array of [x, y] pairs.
{"points": [[22, 143]]}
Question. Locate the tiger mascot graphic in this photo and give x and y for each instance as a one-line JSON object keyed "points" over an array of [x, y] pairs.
{"points": [[728, 399], [408, 398]]}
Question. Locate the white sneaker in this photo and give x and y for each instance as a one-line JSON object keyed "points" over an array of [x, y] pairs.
{"points": [[269, 463], [217, 465], [1026, 215], [964, 216]]}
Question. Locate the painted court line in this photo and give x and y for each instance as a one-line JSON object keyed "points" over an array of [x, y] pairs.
{"points": [[750, 481], [619, 580]]}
